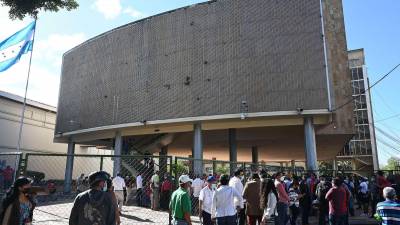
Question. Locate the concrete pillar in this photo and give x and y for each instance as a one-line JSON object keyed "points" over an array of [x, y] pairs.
{"points": [[254, 154], [310, 145], [214, 166], [69, 167], [254, 158], [334, 167], [232, 149], [117, 151], [163, 161], [293, 166], [197, 149]]}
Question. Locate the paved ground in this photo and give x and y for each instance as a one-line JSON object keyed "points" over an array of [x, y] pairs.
{"points": [[58, 214]]}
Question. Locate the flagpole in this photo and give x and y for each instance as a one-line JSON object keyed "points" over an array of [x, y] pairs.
{"points": [[26, 90]]}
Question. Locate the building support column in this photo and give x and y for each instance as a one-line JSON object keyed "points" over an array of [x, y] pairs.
{"points": [[293, 166], [69, 168], [117, 152], [334, 167], [197, 149], [232, 149], [310, 145], [254, 158], [163, 161]]}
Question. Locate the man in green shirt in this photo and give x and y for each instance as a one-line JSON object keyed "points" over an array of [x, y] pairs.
{"points": [[180, 204]]}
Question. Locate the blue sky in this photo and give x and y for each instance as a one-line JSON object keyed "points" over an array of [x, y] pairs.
{"points": [[370, 24]]}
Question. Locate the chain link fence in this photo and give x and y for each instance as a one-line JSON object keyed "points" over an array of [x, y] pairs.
{"points": [[148, 204], [48, 172]]}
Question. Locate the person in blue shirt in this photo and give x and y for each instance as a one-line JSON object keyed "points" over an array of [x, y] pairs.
{"points": [[389, 210]]}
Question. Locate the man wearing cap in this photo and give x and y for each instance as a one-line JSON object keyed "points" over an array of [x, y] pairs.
{"points": [[205, 201], [94, 206], [180, 204], [223, 210]]}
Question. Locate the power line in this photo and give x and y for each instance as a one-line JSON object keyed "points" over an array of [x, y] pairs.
{"points": [[388, 145], [388, 135], [363, 92], [388, 118]]}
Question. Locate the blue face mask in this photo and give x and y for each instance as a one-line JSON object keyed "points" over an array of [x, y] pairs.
{"points": [[213, 186]]}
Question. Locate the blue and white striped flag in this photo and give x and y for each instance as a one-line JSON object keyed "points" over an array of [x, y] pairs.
{"points": [[15, 46]]}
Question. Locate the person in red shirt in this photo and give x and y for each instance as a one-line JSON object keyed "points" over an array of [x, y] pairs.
{"points": [[8, 174], [338, 197], [166, 189], [283, 201], [381, 183]]}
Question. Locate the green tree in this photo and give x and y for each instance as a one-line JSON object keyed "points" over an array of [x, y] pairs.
{"points": [[393, 163], [21, 8]]}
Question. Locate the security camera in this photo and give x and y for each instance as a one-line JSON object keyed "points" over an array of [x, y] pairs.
{"points": [[299, 110]]}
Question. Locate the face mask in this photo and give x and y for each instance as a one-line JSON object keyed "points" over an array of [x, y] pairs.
{"points": [[26, 190], [213, 186], [105, 187], [322, 182]]}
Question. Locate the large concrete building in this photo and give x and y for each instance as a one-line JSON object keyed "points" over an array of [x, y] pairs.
{"points": [[225, 79]]}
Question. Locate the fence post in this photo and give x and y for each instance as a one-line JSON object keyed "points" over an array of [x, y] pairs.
{"points": [[101, 163]]}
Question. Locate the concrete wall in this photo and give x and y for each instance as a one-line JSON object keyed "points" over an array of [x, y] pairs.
{"points": [[336, 46], [197, 61]]}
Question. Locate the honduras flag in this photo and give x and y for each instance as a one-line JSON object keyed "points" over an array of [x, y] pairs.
{"points": [[15, 46]]}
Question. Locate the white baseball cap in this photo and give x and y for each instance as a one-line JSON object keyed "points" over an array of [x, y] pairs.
{"points": [[183, 179]]}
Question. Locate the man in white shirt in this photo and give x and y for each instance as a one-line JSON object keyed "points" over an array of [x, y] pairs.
{"points": [[205, 201], [236, 183], [197, 185], [364, 195], [119, 187], [155, 189], [222, 210], [139, 188]]}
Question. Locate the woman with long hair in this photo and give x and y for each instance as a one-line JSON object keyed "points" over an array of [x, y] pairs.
{"points": [[18, 205], [269, 198]]}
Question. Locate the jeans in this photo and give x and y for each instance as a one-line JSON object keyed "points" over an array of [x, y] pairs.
{"points": [[294, 213], [206, 218], [179, 222], [252, 220], [323, 214], [227, 220], [337, 220], [305, 213], [241, 217], [139, 197], [282, 217]]}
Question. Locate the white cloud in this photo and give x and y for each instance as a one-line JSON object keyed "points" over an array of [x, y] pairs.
{"points": [[134, 13], [109, 8], [52, 48], [43, 83]]}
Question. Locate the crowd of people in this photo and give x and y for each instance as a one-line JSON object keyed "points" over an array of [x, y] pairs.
{"points": [[222, 200], [285, 199]]}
